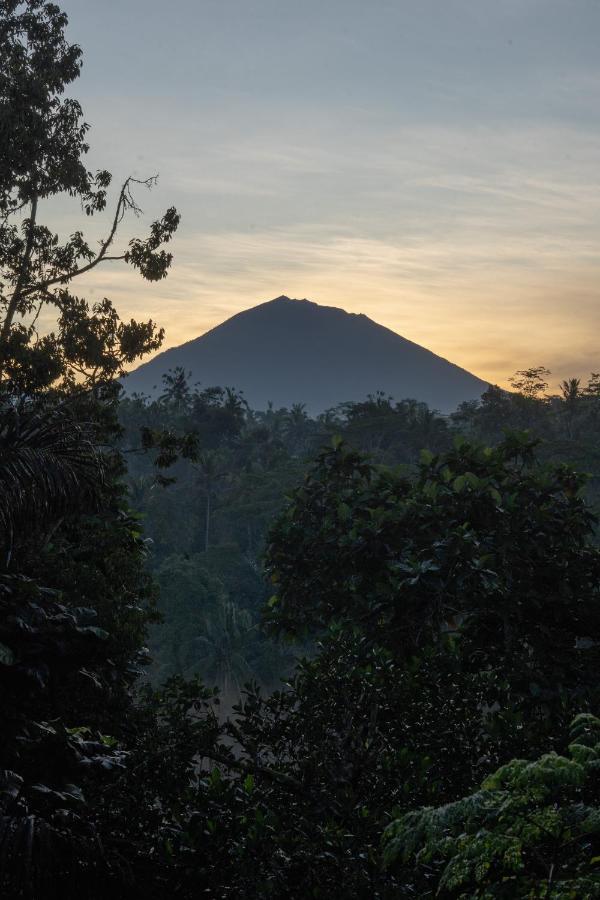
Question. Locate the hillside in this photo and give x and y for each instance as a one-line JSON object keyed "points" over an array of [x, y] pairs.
{"points": [[295, 351]]}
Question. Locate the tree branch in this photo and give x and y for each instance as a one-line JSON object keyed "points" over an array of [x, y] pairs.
{"points": [[251, 768], [124, 202]]}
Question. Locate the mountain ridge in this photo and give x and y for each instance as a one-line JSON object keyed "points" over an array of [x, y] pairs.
{"points": [[288, 351]]}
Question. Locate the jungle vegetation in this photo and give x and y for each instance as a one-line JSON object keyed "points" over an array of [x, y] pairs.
{"points": [[374, 636]]}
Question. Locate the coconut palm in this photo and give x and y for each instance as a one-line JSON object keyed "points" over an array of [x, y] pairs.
{"points": [[223, 647], [571, 393]]}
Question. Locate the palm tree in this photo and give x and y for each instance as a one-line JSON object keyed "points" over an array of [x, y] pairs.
{"points": [[176, 389], [571, 393], [296, 426], [49, 468], [222, 648], [209, 467], [571, 389]]}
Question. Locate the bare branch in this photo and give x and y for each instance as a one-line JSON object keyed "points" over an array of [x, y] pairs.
{"points": [[126, 201], [37, 314]]}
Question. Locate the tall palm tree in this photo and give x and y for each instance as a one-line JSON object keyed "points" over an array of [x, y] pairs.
{"points": [[571, 392], [571, 389], [176, 388], [210, 470], [296, 425]]}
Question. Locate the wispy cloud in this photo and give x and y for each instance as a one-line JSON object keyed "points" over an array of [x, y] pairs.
{"points": [[481, 308]]}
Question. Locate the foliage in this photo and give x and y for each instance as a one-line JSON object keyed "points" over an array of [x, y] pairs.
{"points": [[450, 602], [49, 466], [531, 383], [371, 720], [484, 544], [47, 835], [256, 457], [42, 148], [455, 605], [532, 830], [75, 599], [567, 424]]}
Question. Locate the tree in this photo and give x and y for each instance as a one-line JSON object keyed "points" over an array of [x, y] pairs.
{"points": [[571, 395], [592, 388], [221, 647], [209, 467], [531, 383], [532, 830], [486, 555], [42, 148], [49, 470], [75, 598], [176, 390]]}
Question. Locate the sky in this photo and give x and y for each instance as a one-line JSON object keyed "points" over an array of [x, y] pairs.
{"points": [[434, 164]]}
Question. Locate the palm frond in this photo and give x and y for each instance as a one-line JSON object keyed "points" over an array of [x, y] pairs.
{"points": [[48, 468]]}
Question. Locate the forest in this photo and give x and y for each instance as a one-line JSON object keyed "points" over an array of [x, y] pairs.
{"points": [[255, 654], [243, 464]]}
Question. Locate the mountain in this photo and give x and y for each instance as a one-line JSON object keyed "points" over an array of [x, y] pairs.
{"points": [[295, 351]]}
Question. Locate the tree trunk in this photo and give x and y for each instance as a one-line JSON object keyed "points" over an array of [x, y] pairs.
{"points": [[21, 281], [207, 524]]}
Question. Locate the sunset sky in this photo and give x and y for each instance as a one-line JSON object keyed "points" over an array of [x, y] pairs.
{"points": [[434, 164]]}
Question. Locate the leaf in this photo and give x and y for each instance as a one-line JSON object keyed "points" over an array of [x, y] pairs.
{"points": [[10, 783], [97, 632], [344, 512], [75, 792], [7, 657], [79, 731]]}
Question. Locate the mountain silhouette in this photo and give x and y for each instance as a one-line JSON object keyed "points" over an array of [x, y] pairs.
{"points": [[295, 351]]}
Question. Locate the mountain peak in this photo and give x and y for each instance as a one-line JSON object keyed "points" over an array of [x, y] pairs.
{"points": [[289, 351], [286, 301]]}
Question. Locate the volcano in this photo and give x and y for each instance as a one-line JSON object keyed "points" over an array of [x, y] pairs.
{"points": [[295, 351]]}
